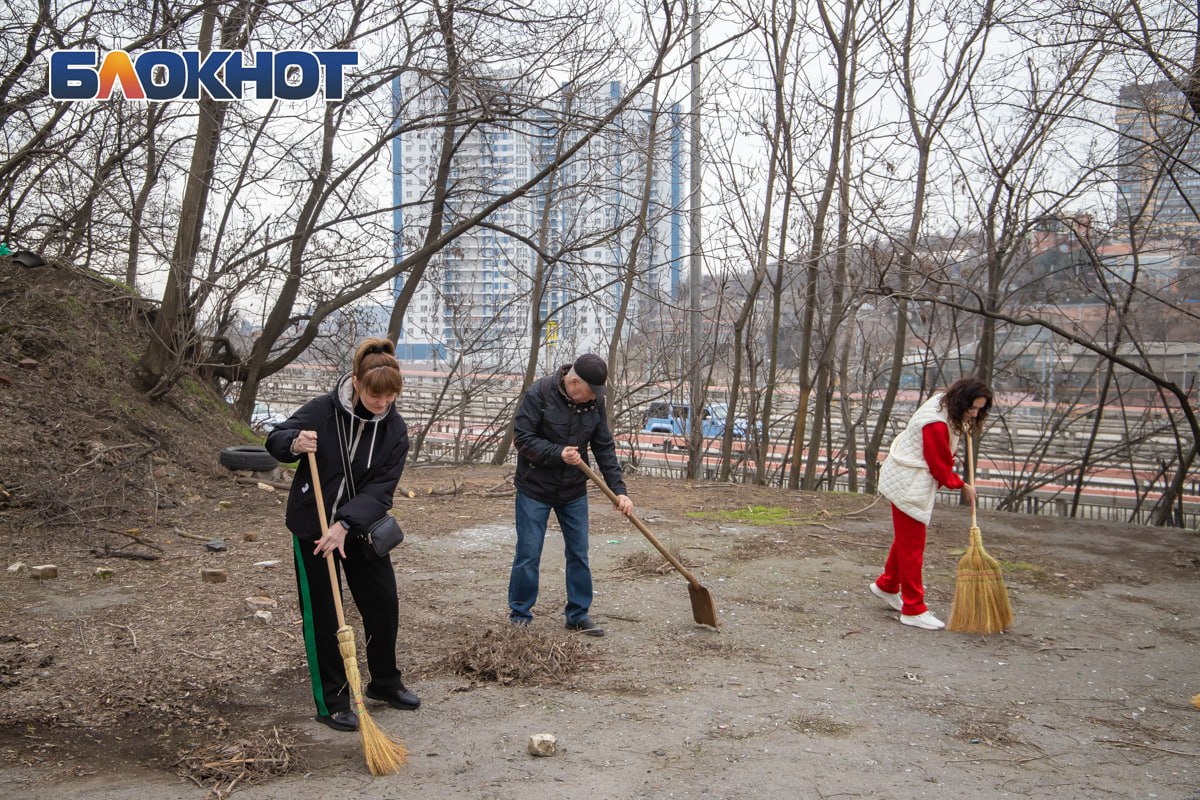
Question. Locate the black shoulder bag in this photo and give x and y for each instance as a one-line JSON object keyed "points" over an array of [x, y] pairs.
{"points": [[383, 535]]}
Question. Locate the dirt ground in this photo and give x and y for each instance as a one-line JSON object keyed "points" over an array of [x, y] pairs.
{"points": [[811, 687], [152, 684]]}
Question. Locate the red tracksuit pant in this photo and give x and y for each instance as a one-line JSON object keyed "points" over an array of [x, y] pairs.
{"points": [[902, 572]]}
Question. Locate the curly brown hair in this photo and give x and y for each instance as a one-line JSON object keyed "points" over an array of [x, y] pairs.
{"points": [[959, 398]]}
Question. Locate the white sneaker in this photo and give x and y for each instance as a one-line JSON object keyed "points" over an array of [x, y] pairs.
{"points": [[892, 600], [927, 621]]}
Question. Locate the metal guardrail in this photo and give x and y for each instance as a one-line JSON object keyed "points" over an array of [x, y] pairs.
{"points": [[1112, 509], [1038, 503]]}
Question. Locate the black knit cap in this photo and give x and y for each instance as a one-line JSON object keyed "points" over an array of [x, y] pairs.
{"points": [[593, 370]]}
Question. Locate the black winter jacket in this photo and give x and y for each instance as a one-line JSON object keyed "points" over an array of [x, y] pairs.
{"points": [[546, 421], [371, 452]]}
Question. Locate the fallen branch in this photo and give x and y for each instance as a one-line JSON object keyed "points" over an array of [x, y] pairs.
{"points": [[108, 552], [275, 484], [127, 629], [867, 507], [138, 456], [444, 492], [136, 535], [99, 453], [1122, 743]]}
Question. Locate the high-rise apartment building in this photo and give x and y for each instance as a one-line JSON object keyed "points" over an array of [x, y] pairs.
{"points": [[1158, 172], [571, 234]]}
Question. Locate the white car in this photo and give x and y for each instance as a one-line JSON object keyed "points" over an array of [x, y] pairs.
{"points": [[264, 418]]}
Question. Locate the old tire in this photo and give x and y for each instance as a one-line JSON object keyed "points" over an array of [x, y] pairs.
{"points": [[248, 457]]}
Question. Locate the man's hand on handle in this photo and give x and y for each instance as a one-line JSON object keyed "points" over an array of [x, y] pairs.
{"points": [[570, 455]]}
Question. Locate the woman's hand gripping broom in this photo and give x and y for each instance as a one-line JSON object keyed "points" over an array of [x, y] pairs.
{"points": [[980, 597], [384, 754]]}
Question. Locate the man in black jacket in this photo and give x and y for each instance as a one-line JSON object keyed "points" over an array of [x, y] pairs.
{"points": [[561, 416]]}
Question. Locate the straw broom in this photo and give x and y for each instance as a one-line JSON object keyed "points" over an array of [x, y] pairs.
{"points": [[384, 754], [980, 597]]}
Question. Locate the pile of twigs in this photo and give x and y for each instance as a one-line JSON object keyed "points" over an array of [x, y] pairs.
{"points": [[222, 768], [645, 562], [519, 654]]}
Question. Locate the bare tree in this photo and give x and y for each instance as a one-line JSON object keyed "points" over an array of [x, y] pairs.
{"points": [[483, 103], [777, 34], [173, 344], [965, 46]]}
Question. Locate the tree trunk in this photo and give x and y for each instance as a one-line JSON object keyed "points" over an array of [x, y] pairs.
{"points": [[173, 338], [842, 271], [173, 335], [779, 69], [838, 39], [137, 211], [537, 289]]}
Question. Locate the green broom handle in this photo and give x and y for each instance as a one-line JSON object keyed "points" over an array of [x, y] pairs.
{"points": [[320, 498], [970, 477]]}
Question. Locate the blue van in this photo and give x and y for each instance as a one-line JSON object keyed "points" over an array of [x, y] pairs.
{"points": [[675, 419]]}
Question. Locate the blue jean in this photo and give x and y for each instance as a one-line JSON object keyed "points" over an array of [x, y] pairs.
{"points": [[532, 516]]}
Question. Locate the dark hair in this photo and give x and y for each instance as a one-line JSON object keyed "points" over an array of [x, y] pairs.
{"points": [[376, 367], [959, 398]]}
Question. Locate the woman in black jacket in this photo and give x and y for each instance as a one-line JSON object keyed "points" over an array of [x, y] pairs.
{"points": [[361, 444]]}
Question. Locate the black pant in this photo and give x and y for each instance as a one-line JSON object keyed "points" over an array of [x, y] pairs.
{"points": [[373, 586]]}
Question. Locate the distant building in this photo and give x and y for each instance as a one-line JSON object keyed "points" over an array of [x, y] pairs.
{"points": [[1158, 171], [474, 299]]}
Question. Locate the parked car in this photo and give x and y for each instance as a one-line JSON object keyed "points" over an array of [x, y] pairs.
{"points": [[264, 418], [675, 419]]}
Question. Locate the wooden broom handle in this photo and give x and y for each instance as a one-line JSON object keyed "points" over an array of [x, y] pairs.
{"points": [[970, 476], [641, 526], [320, 498]]}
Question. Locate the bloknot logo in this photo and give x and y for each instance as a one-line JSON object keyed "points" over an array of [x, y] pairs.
{"points": [[162, 75]]}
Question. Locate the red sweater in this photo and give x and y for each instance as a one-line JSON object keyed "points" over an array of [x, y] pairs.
{"points": [[936, 447]]}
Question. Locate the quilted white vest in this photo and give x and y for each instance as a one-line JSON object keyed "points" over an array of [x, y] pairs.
{"points": [[904, 477]]}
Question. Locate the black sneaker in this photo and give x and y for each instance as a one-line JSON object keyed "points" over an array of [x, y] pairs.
{"points": [[586, 627]]}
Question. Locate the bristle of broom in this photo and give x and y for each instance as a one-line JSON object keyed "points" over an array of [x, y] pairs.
{"points": [[384, 754], [980, 597]]}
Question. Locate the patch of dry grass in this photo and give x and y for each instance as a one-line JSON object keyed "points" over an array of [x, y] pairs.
{"points": [[820, 726]]}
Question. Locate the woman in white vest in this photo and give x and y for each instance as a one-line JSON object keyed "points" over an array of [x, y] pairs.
{"points": [[920, 460]]}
